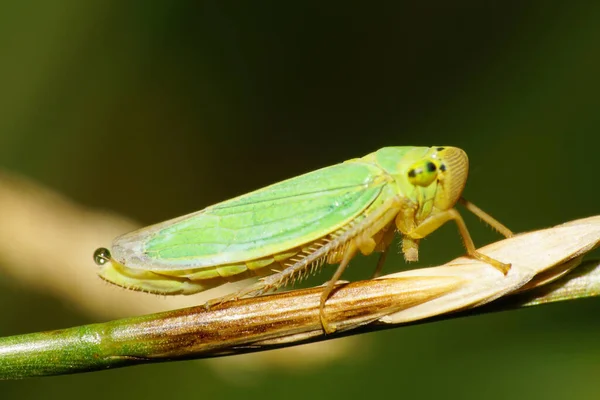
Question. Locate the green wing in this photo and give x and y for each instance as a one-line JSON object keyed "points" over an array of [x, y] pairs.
{"points": [[259, 224]]}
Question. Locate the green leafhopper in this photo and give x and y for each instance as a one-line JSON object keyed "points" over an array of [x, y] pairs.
{"points": [[285, 230]]}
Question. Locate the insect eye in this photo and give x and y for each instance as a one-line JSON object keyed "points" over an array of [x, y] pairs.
{"points": [[101, 256], [423, 173]]}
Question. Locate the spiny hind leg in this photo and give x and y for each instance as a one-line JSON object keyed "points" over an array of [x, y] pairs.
{"points": [[366, 244], [440, 218], [347, 256]]}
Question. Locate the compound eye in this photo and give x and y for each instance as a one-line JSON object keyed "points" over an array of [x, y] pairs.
{"points": [[423, 173]]}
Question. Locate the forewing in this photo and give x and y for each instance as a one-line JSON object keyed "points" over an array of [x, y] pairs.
{"points": [[259, 224]]}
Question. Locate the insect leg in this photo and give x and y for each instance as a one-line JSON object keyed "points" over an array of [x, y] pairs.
{"points": [[487, 218], [435, 221], [380, 263], [376, 222], [386, 241], [348, 255]]}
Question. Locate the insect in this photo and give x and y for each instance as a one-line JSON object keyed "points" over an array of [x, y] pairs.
{"points": [[286, 230]]}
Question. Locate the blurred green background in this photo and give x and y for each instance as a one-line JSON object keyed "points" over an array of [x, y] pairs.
{"points": [[155, 109]]}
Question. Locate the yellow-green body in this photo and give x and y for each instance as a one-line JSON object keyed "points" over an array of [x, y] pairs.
{"points": [[286, 229]]}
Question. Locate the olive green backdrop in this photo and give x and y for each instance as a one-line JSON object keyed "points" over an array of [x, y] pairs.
{"points": [[154, 109]]}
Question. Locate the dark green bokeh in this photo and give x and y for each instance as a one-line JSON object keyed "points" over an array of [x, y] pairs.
{"points": [[155, 109]]}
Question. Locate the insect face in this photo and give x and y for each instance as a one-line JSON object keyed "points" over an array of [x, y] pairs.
{"points": [[452, 168]]}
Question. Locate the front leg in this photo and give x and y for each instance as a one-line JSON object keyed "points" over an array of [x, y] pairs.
{"points": [[438, 219]]}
